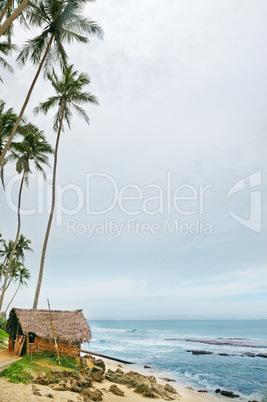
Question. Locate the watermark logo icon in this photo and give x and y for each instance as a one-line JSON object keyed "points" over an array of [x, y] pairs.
{"points": [[253, 222]]}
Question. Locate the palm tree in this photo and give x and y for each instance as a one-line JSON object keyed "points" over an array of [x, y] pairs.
{"points": [[63, 22], [6, 47], [23, 275], [34, 148], [23, 245], [69, 95], [7, 120], [8, 9]]}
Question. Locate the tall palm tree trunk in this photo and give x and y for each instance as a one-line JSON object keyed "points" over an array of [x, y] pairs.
{"points": [[15, 242], [13, 297], [5, 9], [13, 16], [38, 287], [26, 102]]}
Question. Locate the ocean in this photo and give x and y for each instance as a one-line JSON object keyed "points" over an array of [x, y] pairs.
{"points": [[164, 345]]}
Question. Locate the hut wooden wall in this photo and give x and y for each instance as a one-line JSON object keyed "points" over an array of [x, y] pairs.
{"points": [[40, 345]]}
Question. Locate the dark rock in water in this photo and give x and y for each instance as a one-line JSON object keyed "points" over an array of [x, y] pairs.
{"points": [[200, 352], [224, 354], [145, 366], [217, 391], [249, 354], [262, 355], [230, 394], [116, 390], [167, 379], [202, 390], [253, 401]]}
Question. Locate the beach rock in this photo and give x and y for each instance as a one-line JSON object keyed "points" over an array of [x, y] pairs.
{"points": [[202, 390], [170, 389], [87, 363], [229, 394], [98, 377], [101, 364], [92, 395], [41, 380], [147, 367], [98, 374], [145, 385], [74, 387], [49, 396], [116, 390], [58, 372], [167, 379], [85, 382], [119, 371], [36, 392], [217, 391], [200, 352], [145, 391], [190, 388]]}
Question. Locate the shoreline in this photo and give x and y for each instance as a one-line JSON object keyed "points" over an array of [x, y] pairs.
{"points": [[185, 392], [32, 392]]}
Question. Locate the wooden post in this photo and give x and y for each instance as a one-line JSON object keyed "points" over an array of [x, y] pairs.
{"points": [[53, 329]]}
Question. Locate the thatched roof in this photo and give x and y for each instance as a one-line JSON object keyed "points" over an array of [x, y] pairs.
{"points": [[70, 326]]}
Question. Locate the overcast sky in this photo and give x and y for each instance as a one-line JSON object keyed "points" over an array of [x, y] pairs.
{"points": [[182, 88]]}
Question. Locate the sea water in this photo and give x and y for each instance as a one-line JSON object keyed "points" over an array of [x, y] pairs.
{"points": [[164, 345]]}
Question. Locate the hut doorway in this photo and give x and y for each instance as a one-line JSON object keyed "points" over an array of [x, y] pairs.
{"points": [[18, 344]]}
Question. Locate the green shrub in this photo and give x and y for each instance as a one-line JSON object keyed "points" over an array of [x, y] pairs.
{"points": [[3, 334], [25, 369], [3, 324], [16, 373], [51, 357]]}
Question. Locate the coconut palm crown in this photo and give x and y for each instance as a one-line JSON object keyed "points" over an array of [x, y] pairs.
{"points": [[62, 22]]}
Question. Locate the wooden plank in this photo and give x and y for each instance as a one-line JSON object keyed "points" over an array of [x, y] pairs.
{"points": [[106, 357]]}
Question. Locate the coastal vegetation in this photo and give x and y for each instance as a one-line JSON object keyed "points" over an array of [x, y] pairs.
{"points": [[23, 145]]}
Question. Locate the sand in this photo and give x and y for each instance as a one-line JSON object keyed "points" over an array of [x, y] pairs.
{"points": [[19, 392]]}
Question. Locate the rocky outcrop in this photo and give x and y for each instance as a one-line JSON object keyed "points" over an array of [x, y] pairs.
{"points": [[144, 385], [90, 370]]}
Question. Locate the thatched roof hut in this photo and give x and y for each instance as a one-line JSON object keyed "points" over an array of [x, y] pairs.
{"points": [[70, 327]]}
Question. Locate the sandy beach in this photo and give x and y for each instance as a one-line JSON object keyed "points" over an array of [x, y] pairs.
{"points": [[20, 392]]}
